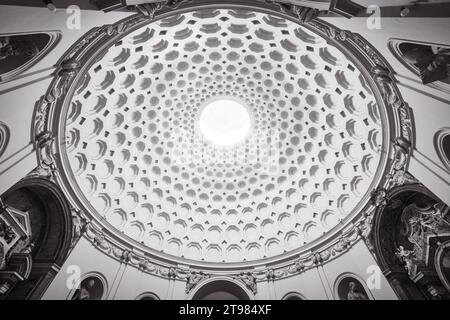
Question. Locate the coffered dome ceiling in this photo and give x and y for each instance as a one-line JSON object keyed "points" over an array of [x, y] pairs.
{"points": [[142, 161]]}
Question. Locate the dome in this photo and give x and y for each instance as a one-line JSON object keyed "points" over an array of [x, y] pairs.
{"points": [[203, 150], [310, 151]]}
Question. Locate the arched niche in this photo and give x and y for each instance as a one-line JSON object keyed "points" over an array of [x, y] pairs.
{"points": [[407, 231], [428, 61], [147, 296], [20, 51], [442, 146], [51, 233], [293, 296], [221, 289], [93, 286], [4, 137], [349, 286], [442, 263]]}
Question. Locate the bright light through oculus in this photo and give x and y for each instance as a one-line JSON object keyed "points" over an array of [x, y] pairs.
{"points": [[224, 122]]}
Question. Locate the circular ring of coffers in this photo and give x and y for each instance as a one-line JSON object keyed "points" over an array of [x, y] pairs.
{"points": [[127, 93]]}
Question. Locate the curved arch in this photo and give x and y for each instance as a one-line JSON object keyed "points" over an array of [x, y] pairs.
{"points": [[206, 289], [441, 138], [395, 44], [147, 296], [346, 275], [393, 244], [51, 229], [4, 137], [35, 49], [293, 295], [438, 265], [101, 284], [393, 195]]}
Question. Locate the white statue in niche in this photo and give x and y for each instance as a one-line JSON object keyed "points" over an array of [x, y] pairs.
{"points": [[406, 256], [426, 219]]}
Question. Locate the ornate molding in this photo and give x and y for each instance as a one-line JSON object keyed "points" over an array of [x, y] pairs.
{"points": [[149, 10], [249, 280], [15, 248], [46, 131], [304, 14], [80, 223], [6, 232], [4, 137], [194, 278], [419, 224]]}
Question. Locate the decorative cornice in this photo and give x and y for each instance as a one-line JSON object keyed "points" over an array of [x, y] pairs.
{"points": [[194, 278], [149, 10], [359, 226], [249, 280]]}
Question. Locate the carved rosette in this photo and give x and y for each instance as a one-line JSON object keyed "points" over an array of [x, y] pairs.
{"points": [[47, 131]]}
